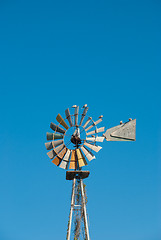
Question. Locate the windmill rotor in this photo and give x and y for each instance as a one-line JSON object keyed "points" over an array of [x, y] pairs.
{"points": [[72, 145]]}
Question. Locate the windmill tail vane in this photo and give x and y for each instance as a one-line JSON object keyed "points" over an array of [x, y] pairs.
{"points": [[72, 144]]}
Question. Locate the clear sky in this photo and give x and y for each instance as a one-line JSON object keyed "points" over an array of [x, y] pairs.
{"points": [[54, 54]]}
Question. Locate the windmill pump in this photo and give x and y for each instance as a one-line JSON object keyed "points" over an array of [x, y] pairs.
{"points": [[71, 145]]}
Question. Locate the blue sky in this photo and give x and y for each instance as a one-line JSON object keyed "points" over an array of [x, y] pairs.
{"points": [[54, 54]]}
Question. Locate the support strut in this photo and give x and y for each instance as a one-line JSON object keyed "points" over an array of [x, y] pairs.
{"points": [[84, 211], [71, 210]]}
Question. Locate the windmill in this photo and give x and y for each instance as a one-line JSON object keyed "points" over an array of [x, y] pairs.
{"points": [[71, 145]]}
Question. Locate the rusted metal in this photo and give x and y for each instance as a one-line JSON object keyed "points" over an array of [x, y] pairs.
{"points": [[56, 128], [70, 175], [73, 162], [65, 161], [62, 153], [56, 161], [51, 154], [59, 148], [61, 121]]}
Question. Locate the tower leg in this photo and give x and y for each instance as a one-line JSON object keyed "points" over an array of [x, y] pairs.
{"points": [[71, 210], [84, 211]]}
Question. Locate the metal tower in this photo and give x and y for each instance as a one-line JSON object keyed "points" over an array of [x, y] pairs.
{"points": [[70, 147], [78, 212]]}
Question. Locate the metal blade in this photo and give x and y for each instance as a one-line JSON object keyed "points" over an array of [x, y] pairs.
{"points": [[53, 136], [96, 139], [73, 165], [53, 144], [55, 152], [62, 153], [68, 116], [123, 132], [94, 124], [81, 160], [57, 143], [91, 126], [67, 155], [65, 162], [49, 136], [83, 115], [61, 121], [86, 123], [87, 153], [93, 147], [54, 127], [59, 148], [48, 145], [76, 115], [73, 162], [56, 161], [51, 154], [98, 121], [102, 129]]}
